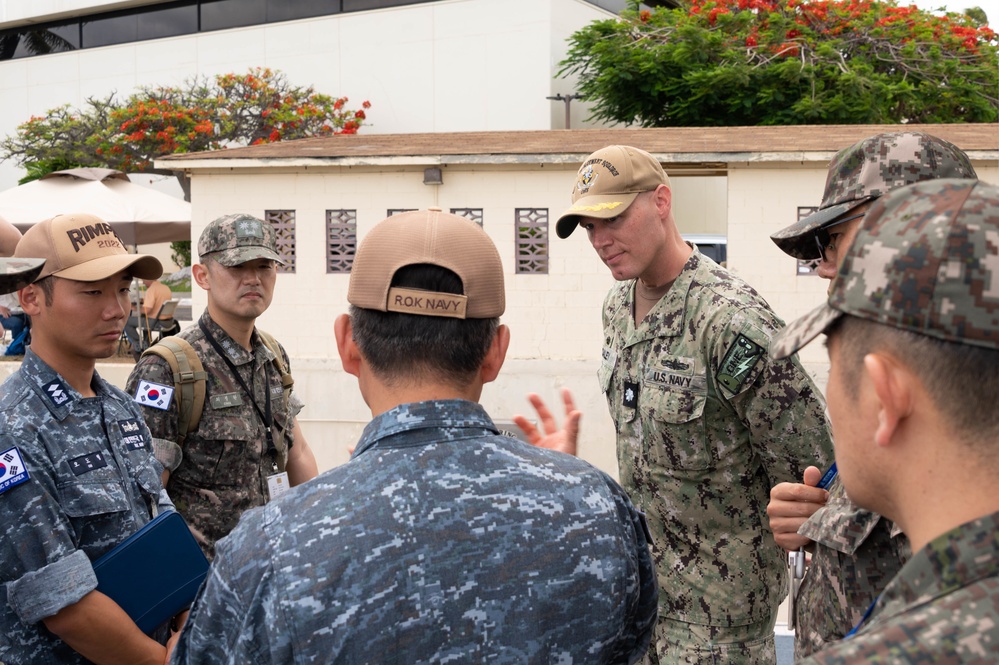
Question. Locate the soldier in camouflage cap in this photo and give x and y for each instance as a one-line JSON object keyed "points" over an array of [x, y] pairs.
{"points": [[248, 444], [707, 421], [854, 552], [15, 274], [442, 540], [913, 336], [77, 474]]}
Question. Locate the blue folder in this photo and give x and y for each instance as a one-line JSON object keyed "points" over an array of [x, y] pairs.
{"points": [[155, 573]]}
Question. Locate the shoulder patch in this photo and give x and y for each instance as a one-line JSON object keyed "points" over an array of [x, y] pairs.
{"points": [[12, 470], [57, 392], [154, 395], [739, 360]]}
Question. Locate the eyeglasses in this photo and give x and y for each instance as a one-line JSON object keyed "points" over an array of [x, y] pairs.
{"points": [[824, 240]]}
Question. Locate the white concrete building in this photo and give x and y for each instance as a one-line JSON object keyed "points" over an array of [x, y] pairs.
{"points": [[425, 65], [324, 194]]}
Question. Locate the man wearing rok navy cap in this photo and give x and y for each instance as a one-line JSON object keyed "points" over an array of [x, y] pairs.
{"points": [[77, 473], [912, 325], [854, 552], [707, 421], [247, 446], [442, 540]]}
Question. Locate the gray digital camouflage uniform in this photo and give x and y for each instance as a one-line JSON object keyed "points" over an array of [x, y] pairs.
{"points": [[943, 607], [857, 553], [440, 541], [223, 468], [85, 492], [706, 424]]}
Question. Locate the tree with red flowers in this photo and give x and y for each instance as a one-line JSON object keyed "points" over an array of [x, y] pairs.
{"points": [[784, 62], [203, 114]]}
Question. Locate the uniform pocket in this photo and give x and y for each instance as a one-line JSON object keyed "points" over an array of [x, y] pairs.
{"points": [[676, 431], [225, 452], [87, 499]]}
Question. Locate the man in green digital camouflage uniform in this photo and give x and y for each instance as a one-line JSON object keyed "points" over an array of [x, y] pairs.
{"points": [[706, 420], [912, 322], [854, 552], [248, 443]]}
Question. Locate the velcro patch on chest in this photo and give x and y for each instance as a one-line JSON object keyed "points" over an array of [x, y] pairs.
{"points": [[131, 434], [12, 469], [154, 395], [739, 361], [87, 463]]}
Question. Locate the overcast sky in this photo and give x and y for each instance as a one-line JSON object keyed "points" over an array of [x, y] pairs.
{"points": [[951, 5]]}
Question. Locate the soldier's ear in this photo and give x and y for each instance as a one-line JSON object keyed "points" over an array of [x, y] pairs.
{"points": [[495, 356], [350, 355], [200, 274], [31, 298]]}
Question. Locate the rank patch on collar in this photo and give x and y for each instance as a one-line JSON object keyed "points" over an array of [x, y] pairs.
{"points": [[12, 470], [154, 395], [131, 434], [57, 392], [739, 360], [630, 398], [87, 463]]}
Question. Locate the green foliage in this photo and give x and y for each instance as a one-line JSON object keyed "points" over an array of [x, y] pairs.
{"points": [[754, 62], [180, 253], [227, 110]]}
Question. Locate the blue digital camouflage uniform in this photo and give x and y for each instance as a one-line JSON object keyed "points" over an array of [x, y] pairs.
{"points": [[223, 468], [86, 491], [706, 424], [856, 554], [440, 541], [943, 607]]}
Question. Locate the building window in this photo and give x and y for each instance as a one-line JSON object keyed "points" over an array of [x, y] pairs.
{"points": [[341, 240], [806, 268], [474, 214], [396, 211], [283, 222], [531, 227]]}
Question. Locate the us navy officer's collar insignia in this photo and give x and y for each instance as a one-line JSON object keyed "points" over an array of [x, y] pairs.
{"points": [[57, 392]]}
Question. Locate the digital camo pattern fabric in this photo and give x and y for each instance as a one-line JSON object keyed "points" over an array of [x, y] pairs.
{"points": [[238, 238], [84, 492], [225, 462], [871, 168], [440, 541], [856, 553], [924, 260], [706, 424], [943, 607]]}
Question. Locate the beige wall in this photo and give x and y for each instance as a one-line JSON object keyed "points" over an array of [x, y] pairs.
{"points": [[554, 318]]}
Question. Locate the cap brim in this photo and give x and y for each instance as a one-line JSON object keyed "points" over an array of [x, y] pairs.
{"points": [[240, 255], [142, 266], [602, 207], [797, 239], [800, 332], [15, 274]]}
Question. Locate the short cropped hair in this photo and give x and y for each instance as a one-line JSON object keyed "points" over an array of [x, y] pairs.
{"points": [[962, 379], [408, 348]]}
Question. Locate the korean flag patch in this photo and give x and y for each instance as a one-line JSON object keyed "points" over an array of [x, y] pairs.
{"points": [[154, 395], [12, 471]]}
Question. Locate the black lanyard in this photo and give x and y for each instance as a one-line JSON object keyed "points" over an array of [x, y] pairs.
{"points": [[265, 415]]}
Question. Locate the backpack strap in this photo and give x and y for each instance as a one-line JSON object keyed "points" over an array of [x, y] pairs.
{"points": [[287, 381], [189, 378]]}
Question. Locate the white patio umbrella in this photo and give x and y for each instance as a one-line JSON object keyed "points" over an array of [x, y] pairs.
{"points": [[139, 215]]}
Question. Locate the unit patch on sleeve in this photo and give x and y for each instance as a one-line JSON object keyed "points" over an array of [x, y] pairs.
{"points": [[12, 471], [154, 395], [739, 360]]}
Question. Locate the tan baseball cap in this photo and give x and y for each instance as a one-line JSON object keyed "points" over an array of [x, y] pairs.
{"points": [[428, 237], [82, 247], [608, 182]]}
